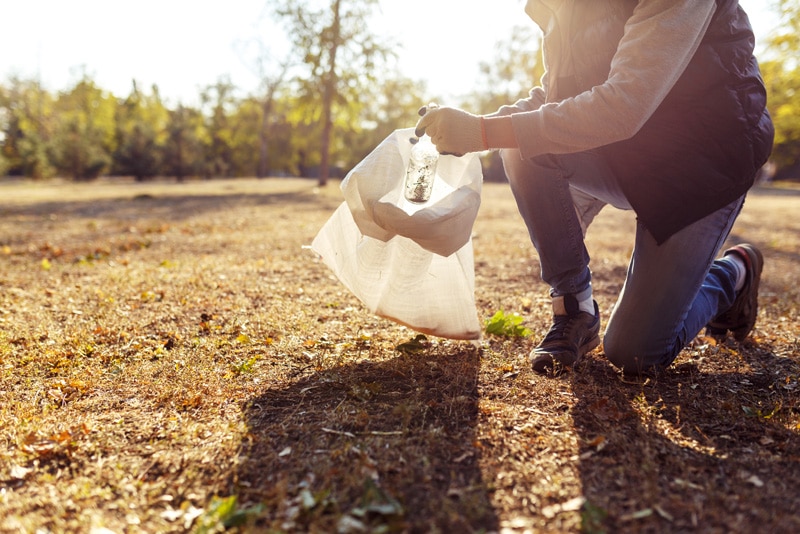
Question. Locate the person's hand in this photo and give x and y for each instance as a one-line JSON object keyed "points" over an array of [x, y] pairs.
{"points": [[453, 131]]}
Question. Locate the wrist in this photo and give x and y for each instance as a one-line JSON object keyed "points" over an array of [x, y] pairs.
{"points": [[484, 139], [498, 132]]}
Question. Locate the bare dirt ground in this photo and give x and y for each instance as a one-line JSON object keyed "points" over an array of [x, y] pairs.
{"points": [[172, 359]]}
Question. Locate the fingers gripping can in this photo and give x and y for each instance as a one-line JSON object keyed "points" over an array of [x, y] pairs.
{"points": [[421, 170]]}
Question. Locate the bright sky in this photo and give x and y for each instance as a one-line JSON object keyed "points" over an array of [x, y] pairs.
{"points": [[183, 45]]}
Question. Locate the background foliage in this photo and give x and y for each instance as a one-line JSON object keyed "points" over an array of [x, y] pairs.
{"points": [[319, 110], [782, 75]]}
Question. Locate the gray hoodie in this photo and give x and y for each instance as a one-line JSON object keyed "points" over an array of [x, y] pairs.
{"points": [[667, 90]]}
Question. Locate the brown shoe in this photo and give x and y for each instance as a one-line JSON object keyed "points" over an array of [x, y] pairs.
{"points": [[741, 317], [573, 334]]}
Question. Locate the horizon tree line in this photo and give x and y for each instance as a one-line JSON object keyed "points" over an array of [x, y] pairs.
{"points": [[318, 112]]}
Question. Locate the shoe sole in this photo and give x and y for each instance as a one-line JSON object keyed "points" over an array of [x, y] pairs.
{"points": [[548, 364]]}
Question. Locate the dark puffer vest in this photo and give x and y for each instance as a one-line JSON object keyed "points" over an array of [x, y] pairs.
{"points": [[704, 145]]}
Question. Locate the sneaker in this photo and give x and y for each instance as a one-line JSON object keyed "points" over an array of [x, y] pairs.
{"points": [[573, 334], [741, 317]]}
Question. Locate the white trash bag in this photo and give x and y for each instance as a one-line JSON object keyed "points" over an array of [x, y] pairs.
{"points": [[411, 263]]}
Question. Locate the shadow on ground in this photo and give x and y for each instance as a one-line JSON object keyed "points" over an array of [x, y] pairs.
{"points": [[700, 448], [168, 208], [386, 444]]}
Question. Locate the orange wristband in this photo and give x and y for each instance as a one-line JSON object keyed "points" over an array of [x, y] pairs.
{"points": [[483, 134]]}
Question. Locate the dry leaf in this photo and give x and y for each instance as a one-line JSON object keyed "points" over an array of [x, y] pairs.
{"points": [[641, 514], [18, 472], [572, 505], [757, 482]]}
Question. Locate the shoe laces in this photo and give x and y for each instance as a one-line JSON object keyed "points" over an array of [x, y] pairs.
{"points": [[561, 324]]}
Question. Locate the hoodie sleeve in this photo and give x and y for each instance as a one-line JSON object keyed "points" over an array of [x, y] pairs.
{"points": [[536, 99], [659, 41]]}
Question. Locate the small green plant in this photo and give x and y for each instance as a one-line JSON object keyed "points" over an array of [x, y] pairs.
{"points": [[247, 365], [506, 324], [592, 519], [223, 513], [762, 414]]}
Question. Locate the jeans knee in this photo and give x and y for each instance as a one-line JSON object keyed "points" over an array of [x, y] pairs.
{"points": [[522, 171], [626, 356], [616, 352]]}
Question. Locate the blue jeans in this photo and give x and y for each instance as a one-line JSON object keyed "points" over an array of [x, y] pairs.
{"points": [[671, 290]]}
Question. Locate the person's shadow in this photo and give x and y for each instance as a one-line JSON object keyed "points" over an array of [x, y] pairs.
{"points": [[697, 448], [366, 445]]}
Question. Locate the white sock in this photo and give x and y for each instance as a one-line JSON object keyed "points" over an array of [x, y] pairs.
{"points": [[739, 266], [587, 305]]}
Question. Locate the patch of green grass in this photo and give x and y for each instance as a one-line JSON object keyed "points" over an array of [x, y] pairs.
{"points": [[223, 514], [507, 325]]}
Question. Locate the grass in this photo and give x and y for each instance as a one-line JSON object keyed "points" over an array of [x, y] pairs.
{"points": [[172, 359]]}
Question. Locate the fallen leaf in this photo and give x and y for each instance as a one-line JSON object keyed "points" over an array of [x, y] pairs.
{"points": [[339, 432], [190, 515], [243, 339], [686, 484], [170, 514], [18, 472], [348, 524], [641, 514], [596, 442], [663, 513], [464, 456], [757, 482], [572, 505]]}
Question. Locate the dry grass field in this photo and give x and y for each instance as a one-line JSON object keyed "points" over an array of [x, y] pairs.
{"points": [[173, 359]]}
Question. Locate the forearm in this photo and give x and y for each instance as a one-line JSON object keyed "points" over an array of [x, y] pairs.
{"points": [[659, 41]]}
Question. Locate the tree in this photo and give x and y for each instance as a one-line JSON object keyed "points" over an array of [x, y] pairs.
{"points": [[5, 123], [246, 122], [26, 112], [271, 85], [517, 67], [85, 135], [292, 137], [141, 132], [219, 101], [393, 104], [182, 152], [4, 163], [340, 54], [782, 76], [273, 76]]}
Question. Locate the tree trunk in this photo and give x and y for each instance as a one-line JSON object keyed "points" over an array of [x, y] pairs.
{"points": [[263, 149], [180, 171], [327, 98]]}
